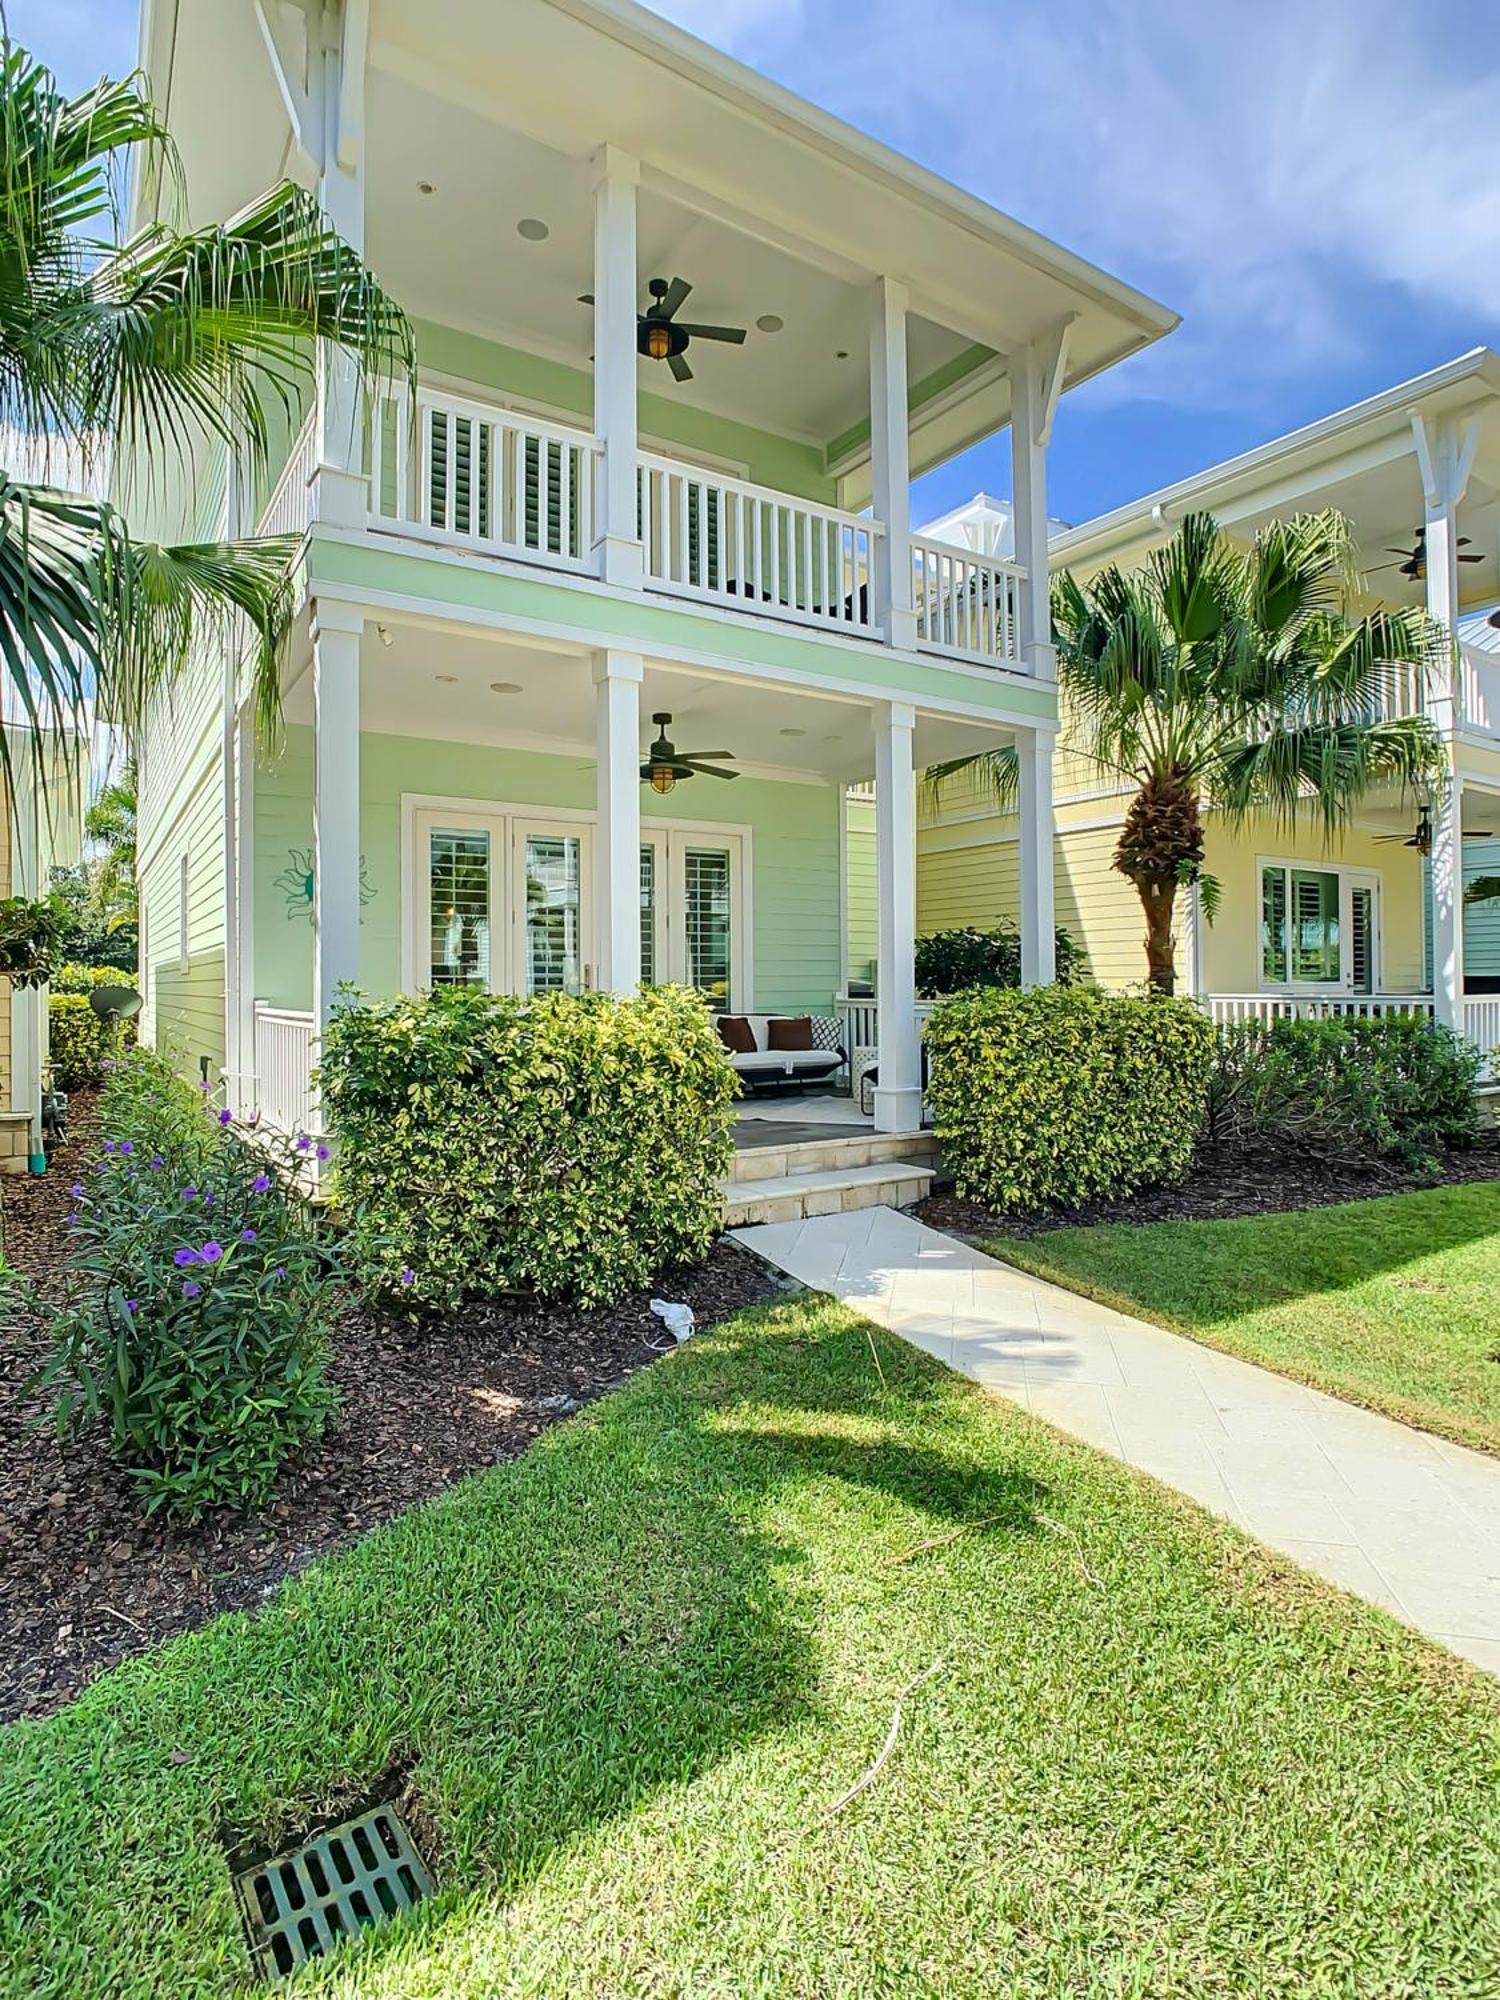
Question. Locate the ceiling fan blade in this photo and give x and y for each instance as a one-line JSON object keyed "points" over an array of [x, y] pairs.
{"points": [[734, 334], [708, 770], [585, 298], [671, 299], [1471, 558], [1477, 833], [708, 753], [680, 370], [1410, 554]]}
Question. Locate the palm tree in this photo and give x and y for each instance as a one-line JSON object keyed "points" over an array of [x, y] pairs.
{"points": [[1232, 680], [110, 822], [152, 348]]}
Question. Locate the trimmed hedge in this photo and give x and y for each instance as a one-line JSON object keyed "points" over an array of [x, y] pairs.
{"points": [[563, 1147], [1398, 1088], [80, 1042], [1054, 1095]]}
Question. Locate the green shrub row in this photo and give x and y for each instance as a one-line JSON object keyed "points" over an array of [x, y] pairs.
{"points": [[958, 960], [1054, 1095], [1397, 1088], [193, 1332], [80, 1042], [561, 1147]]}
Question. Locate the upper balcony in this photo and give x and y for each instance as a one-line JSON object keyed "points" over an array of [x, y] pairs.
{"points": [[678, 330]]}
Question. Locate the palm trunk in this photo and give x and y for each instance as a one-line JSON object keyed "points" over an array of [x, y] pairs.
{"points": [[1160, 846]]}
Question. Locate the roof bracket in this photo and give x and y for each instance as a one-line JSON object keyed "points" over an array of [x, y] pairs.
{"points": [[1445, 456], [1052, 354], [291, 50]]}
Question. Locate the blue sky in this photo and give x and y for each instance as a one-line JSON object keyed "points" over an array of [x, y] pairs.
{"points": [[1313, 184]]}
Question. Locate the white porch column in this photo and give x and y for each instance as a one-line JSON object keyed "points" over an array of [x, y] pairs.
{"points": [[1445, 453], [617, 541], [617, 867], [898, 1094], [890, 464], [1038, 924], [1035, 381], [340, 493], [336, 630]]}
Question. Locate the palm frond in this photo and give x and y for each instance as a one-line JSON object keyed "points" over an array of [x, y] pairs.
{"points": [[1323, 770], [996, 771]]}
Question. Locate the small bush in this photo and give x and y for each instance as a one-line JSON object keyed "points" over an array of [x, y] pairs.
{"points": [[75, 977], [1396, 1088], [80, 1042], [563, 1147], [956, 961], [1055, 1095], [195, 1325]]}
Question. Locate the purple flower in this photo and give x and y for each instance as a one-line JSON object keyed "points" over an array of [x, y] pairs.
{"points": [[190, 1194], [181, 1257], [76, 1191], [109, 1145], [131, 1305], [72, 1218], [204, 1084], [190, 1290], [127, 1145], [208, 1197], [226, 1117], [156, 1161], [303, 1143], [211, 1252], [107, 1064], [260, 1183], [279, 1272], [322, 1152], [247, 1236], [408, 1275]]}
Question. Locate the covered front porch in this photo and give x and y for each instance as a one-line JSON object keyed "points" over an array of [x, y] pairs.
{"points": [[465, 807]]}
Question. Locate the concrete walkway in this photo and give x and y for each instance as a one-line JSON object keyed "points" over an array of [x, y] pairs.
{"points": [[1400, 1518]]}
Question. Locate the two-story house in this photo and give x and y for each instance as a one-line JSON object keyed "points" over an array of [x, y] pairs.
{"points": [[1376, 918], [684, 341]]}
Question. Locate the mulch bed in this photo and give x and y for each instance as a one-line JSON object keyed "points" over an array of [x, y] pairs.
{"points": [[1226, 1182], [87, 1580]]}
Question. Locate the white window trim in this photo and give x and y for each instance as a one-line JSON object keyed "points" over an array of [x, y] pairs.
{"points": [[489, 812], [1349, 879]]}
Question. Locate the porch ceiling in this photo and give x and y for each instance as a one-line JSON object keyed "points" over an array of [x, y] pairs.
{"points": [[441, 685]]}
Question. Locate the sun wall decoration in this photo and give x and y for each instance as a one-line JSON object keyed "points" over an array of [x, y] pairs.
{"points": [[296, 884]]}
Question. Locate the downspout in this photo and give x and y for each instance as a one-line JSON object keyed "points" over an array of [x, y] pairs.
{"points": [[233, 1054]]}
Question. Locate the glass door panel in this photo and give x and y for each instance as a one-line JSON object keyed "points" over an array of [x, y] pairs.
{"points": [[1362, 939], [651, 911], [459, 885], [553, 915], [707, 929]]}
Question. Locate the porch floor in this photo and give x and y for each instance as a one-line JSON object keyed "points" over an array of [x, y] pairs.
{"points": [[797, 1121]]}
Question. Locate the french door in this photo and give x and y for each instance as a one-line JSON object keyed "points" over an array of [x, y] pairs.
{"points": [[504, 901], [692, 927]]}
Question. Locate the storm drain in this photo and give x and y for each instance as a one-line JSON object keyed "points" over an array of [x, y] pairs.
{"points": [[304, 1902]]}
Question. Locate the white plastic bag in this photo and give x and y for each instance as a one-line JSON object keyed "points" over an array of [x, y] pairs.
{"points": [[677, 1319]]}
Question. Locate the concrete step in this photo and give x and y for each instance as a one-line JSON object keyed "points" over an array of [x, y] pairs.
{"points": [[823, 1156], [793, 1197]]}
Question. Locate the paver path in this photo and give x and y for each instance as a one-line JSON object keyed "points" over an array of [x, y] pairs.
{"points": [[1406, 1520]]}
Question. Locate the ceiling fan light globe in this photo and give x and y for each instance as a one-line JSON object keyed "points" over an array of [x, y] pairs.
{"points": [[658, 340], [662, 778]]}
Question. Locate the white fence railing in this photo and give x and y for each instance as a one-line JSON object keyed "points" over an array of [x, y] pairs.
{"points": [[289, 509], [1229, 1009], [725, 541], [1482, 1026], [483, 477], [859, 1018], [285, 1052], [967, 604], [1481, 692]]}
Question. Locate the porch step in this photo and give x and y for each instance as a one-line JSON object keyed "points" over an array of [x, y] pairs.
{"points": [[791, 1197], [822, 1156]]}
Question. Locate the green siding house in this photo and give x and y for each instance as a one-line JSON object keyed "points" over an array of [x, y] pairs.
{"points": [[684, 341]]}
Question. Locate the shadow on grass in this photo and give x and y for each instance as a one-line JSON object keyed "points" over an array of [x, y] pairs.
{"points": [[1215, 1271], [549, 1645]]}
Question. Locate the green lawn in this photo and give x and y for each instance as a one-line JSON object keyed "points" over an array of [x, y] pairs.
{"points": [[1392, 1303], [634, 1670]]}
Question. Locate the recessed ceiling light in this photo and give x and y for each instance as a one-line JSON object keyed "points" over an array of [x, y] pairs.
{"points": [[533, 229], [426, 187], [770, 322], [794, 732], [842, 354], [449, 678], [505, 687]]}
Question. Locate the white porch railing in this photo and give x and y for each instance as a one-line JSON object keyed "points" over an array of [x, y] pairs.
{"points": [[285, 1052], [484, 478], [289, 509], [967, 605], [859, 1019], [728, 542], [1481, 692], [1230, 1009], [1482, 1026]]}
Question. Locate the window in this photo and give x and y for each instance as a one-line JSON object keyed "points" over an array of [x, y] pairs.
{"points": [[1318, 927], [459, 908], [707, 921]]}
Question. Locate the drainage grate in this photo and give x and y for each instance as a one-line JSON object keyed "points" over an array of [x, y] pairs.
{"points": [[301, 1904]]}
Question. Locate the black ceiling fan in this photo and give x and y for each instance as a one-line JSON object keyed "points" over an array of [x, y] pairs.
{"points": [[1415, 559], [1421, 835], [666, 764], [661, 336]]}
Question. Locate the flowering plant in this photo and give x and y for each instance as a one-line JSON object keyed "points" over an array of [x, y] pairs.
{"points": [[195, 1321]]}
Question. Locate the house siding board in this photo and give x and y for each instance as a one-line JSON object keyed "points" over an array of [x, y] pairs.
{"points": [[185, 1007], [860, 907], [794, 856]]}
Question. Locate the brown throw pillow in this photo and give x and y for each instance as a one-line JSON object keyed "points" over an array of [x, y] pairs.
{"points": [[737, 1035], [790, 1034]]}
